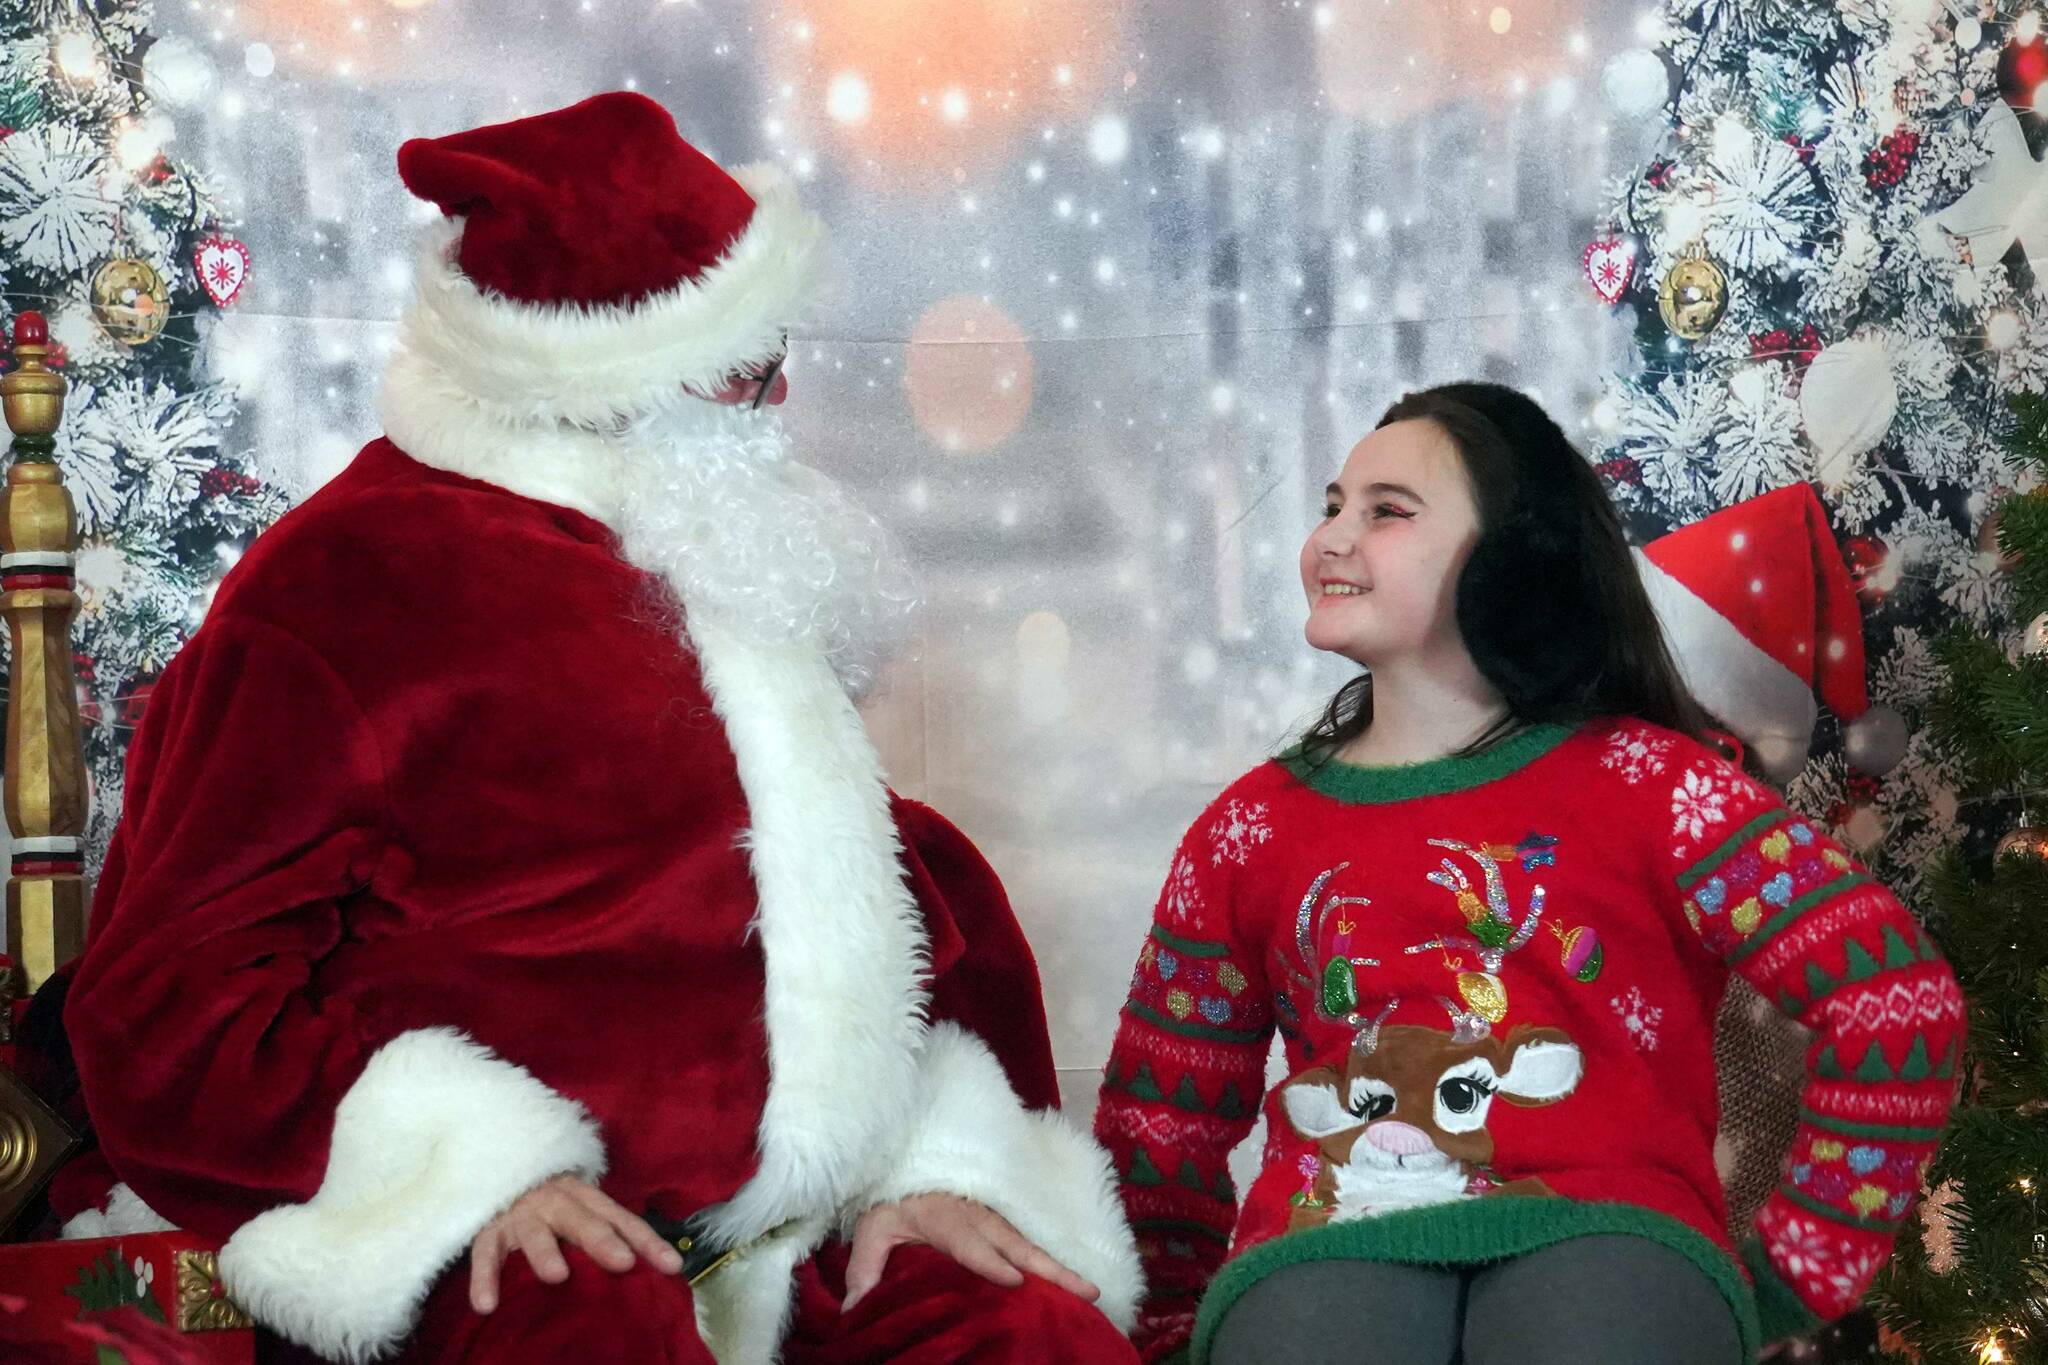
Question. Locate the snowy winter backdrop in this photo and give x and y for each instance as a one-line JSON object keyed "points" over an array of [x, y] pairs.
{"points": [[1123, 280]]}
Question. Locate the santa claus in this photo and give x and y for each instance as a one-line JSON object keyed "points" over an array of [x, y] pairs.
{"points": [[505, 872]]}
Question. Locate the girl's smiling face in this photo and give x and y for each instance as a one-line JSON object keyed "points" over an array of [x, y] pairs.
{"points": [[1381, 568]]}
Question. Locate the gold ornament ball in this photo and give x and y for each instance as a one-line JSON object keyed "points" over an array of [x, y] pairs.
{"points": [[129, 301], [2034, 643], [1693, 297], [2028, 841]]}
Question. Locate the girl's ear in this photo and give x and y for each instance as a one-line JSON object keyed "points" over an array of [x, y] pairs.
{"points": [[1529, 614]]}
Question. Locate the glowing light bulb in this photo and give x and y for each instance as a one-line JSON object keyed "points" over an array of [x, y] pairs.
{"points": [[76, 56]]}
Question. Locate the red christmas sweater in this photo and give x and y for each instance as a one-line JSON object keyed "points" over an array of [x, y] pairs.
{"points": [[1497, 978]]}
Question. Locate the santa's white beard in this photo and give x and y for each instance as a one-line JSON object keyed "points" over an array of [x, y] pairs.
{"points": [[764, 546]]}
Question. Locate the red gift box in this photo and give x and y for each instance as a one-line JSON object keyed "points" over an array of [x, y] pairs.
{"points": [[147, 1299]]}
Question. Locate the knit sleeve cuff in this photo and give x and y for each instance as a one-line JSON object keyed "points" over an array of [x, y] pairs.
{"points": [[1172, 1347], [1780, 1312]]}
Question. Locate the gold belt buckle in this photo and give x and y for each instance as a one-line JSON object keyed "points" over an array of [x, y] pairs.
{"points": [[686, 1243]]}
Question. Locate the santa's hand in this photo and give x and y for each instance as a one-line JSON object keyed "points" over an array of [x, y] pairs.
{"points": [[973, 1234], [564, 1209]]}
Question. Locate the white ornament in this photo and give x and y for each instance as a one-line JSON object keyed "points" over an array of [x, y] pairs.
{"points": [[2007, 203], [1969, 32], [1780, 756], [2034, 643], [1847, 401]]}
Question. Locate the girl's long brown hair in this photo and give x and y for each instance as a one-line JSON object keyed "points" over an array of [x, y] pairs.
{"points": [[1549, 604]]}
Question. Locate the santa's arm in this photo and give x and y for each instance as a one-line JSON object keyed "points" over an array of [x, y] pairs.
{"points": [[344, 1162], [988, 1127]]}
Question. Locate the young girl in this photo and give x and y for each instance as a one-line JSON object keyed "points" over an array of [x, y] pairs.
{"points": [[1491, 902]]}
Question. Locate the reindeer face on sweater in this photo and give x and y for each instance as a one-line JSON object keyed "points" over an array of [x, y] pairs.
{"points": [[1405, 1122]]}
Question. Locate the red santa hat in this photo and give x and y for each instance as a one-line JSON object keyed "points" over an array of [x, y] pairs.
{"points": [[596, 263], [1761, 614]]}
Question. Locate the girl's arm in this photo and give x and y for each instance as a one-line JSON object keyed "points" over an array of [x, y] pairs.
{"points": [[1182, 1089], [1781, 903]]}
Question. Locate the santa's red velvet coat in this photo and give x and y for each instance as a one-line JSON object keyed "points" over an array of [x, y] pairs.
{"points": [[446, 866], [433, 882]]}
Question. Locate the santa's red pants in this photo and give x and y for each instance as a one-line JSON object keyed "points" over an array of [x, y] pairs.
{"points": [[928, 1310]]}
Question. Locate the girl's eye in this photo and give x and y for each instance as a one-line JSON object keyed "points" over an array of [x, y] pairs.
{"points": [[1388, 509], [1330, 509]]}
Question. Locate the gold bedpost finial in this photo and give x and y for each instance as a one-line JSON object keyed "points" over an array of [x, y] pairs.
{"points": [[44, 791], [33, 393]]}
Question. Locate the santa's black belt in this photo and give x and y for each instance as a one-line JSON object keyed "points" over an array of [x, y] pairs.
{"points": [[702, 1252]]}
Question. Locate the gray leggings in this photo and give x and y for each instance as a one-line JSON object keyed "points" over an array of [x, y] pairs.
{"points": [[1598, 1300]]}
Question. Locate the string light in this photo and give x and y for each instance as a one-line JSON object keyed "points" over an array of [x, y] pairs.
{"points": [[138, 141], [77, 57]]}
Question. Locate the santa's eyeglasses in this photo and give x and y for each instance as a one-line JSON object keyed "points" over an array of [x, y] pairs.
{"points": [[764, 379]]}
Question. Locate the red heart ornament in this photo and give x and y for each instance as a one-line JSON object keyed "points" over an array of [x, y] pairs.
{"points": [[1610, 264], [223, 264]]}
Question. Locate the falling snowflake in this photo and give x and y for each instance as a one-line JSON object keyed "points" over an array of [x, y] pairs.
{"points": [[1639, 1017], [1698, 803], [1183, 898], [1636, 754], [1240, 827], [57, 208]]}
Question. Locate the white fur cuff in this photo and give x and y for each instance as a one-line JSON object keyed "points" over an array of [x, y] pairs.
{"points": [[436, 1137], [975, 1139]]}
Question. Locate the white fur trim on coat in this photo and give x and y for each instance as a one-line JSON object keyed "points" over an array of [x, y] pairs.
{"points": [[436, 1138], [744, 1308], [121, 1214], [973, 1137], [526, 363], [429, 418], [840, 930]]}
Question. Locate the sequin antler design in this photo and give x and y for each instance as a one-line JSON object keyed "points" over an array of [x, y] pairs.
{"points": [[1494, 931], [1334, 985]]}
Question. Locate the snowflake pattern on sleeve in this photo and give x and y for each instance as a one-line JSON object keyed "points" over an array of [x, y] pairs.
{"points": [[1241, 827], [1637, 754]]}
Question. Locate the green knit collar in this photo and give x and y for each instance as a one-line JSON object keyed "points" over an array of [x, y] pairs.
{"points": [[1358, 784]]}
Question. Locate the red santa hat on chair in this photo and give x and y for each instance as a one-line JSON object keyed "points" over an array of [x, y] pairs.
{"points": [[596, 264], [1761, 615]]}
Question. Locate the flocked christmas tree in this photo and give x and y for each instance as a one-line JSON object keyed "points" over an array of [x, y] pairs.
{"points": [[1821, 261], [1826, 262], [1970, 1284], [121, 246]]}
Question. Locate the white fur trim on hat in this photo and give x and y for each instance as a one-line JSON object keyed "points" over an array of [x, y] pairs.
{"points": [[1765, 703], [436, 1138], [525, 364]]}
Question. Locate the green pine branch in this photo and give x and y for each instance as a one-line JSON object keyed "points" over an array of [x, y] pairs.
{"points": [[1991, 921]]}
